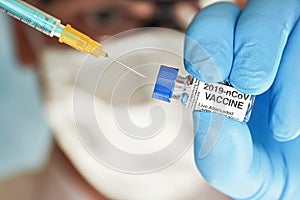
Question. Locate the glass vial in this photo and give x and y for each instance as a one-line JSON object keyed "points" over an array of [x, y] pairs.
{"points": [[219, 97]]}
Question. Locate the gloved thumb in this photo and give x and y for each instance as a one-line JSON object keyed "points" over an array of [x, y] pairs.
{"points": [[223, 152]]}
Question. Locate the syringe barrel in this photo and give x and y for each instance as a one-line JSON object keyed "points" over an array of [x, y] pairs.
{"points": [[32, 16]]}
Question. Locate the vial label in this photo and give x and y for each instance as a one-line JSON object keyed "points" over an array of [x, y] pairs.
{"points": [[220, 98]]}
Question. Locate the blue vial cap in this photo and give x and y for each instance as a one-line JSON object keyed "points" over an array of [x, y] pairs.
{"points": [[165, 83]]}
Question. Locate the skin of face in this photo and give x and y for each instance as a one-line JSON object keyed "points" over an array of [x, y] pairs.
{"points": [[96, 18]]}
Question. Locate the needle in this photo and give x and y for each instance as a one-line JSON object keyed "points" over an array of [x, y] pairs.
{"points": [[127, 67]]}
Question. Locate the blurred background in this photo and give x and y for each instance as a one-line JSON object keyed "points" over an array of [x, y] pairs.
{"points": [[41, 155]]}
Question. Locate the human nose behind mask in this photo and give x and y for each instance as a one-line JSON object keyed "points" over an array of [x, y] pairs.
{"points": [[25, 139], [125, 124]]}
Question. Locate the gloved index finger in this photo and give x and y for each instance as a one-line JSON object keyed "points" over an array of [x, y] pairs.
{"points": [[285, 98], [208, 48], [260, 38]]}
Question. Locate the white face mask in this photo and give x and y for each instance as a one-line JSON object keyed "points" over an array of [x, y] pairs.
{"points": [[25, 139], [123, 122]]}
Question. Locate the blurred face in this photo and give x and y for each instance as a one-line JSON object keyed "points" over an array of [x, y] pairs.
{"points": [[102, 18]]}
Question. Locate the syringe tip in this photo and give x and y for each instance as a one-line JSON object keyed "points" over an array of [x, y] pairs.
{"points": [[81, 42], [98, 51]]}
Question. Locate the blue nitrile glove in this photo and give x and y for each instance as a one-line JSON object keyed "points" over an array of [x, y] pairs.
{"points": [[257, 50]]}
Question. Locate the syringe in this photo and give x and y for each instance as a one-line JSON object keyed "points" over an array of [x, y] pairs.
{"points": [[51, 26]]}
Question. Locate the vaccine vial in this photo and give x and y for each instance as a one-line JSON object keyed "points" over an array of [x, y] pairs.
{"points": [[219, 97]]}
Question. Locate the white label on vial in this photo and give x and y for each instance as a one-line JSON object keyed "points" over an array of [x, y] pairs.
{"points": [[218, 98]]}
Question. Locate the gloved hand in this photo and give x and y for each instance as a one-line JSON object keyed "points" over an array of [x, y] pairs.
{"points": [[257, 50]]}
